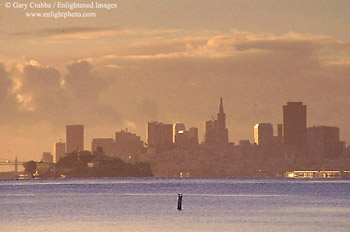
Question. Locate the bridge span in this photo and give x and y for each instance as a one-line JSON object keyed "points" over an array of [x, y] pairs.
{"points": [[15, 163]]}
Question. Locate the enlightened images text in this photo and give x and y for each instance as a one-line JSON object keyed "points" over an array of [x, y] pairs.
{"points": [[63, 5]]}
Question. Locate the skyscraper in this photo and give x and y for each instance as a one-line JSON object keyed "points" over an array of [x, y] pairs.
{"points": [[178, 128], [75, 138], [263, 134], [183, 137], [222, 132], [210, 132], [127, 145], [324, 143], [59, 150], [193, 135], [215, 131], [280, 132], [159, 134], [294, 124]]}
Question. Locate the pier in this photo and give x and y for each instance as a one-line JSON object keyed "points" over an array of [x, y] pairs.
{"points": [[318, 174]]}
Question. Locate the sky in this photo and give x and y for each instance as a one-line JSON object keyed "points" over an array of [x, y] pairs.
{"points": [[171, 61]]}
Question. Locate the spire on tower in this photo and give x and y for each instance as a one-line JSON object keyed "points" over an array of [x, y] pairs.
{"points": [[221, 110]]}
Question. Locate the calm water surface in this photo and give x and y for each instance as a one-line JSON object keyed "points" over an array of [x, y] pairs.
{"points": [[135, 204]]}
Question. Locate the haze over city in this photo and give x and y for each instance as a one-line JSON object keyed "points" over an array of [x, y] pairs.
{"points": [[171, 61]]}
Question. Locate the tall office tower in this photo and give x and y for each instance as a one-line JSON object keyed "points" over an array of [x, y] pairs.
{"points": [[178, 128], [210, 132], [159, 134], [324, 143], [193, 135], [279, 132], [59, 151], [183, 137], [105, 143], [263, 134], [215, 131], [75, 138], [294, 124]]}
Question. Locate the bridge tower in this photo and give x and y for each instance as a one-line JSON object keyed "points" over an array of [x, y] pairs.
{"points": [[16, 168]]}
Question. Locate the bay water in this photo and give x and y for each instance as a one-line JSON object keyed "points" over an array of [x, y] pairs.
{"points": [[150, 204]]}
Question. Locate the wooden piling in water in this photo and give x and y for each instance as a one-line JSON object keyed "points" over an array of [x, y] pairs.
{"points": [[179, 201]]}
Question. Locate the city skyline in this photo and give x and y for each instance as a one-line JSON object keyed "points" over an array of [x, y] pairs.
{"points": [[171, 63], [295, 146], [78, 138], [293, 134]]}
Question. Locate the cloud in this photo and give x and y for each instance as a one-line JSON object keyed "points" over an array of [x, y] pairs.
{"points": [[5, 83], [7, 98], [235, 44], [255, 73], [82, 84], [61, 31], [40, 89], [114, 66], [33, 93], [58, 34], [182, 78]]}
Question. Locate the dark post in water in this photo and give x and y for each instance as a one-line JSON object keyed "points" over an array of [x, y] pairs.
{"points": [[179, 201]]}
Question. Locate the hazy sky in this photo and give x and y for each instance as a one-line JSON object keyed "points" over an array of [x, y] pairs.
{"points": [[171, 61]]}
